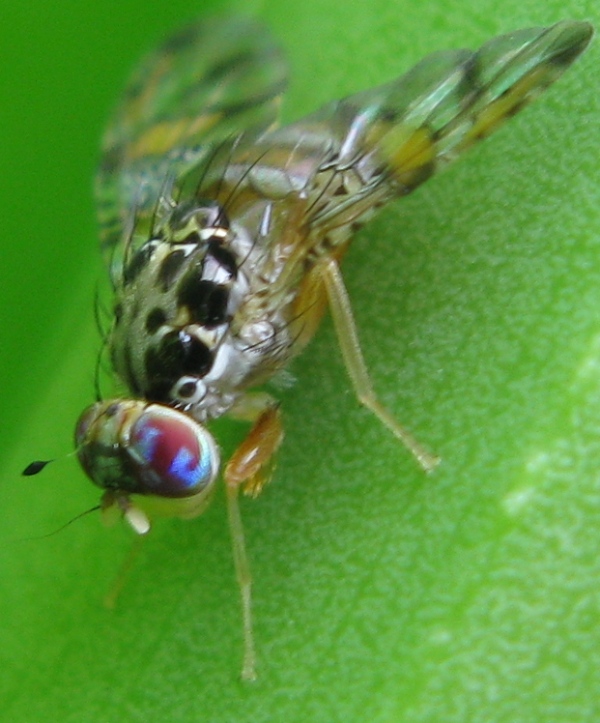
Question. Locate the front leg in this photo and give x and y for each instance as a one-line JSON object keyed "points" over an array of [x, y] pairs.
{"points": [[250, 468], [252, 463]]}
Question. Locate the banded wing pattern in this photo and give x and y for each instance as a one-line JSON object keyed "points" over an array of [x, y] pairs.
{"points": [[208, 84], [224, 235], [359, 152], [303, 189]]}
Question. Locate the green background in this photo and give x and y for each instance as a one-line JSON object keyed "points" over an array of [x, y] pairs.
{"points": [[380, 594]]}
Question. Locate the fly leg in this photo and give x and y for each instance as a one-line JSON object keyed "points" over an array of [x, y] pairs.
{"points": [[249, 469], [111, 597], [343, 319]]}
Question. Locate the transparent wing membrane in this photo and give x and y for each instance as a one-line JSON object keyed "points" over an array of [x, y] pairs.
{"points": [[208, 83]]}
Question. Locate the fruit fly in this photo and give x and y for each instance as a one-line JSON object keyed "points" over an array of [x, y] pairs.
{"points": [[223, 235]]}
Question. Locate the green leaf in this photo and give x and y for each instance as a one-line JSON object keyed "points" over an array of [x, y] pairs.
{"points": [[381, 594]]}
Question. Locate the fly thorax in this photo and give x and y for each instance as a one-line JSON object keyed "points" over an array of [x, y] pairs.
{"points": [[180, 336]]}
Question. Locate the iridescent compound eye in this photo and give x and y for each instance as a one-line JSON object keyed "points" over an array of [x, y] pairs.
{"points": [[176, 456], [147, 449]]}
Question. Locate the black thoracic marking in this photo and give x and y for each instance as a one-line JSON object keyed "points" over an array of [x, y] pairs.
{"points": [[138, 262], [158, 391], [224, 257], [206, 300], [178, 354], [170, 267], [192, 238], [155, 319]]}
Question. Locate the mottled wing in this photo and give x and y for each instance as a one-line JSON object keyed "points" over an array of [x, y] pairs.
{"points": [[356, 153], [201, 88]]}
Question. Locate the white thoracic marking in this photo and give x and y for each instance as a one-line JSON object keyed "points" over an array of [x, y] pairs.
{"points": [[200, 390], [207, 233]]}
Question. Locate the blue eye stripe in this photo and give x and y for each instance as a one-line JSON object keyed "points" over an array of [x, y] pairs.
{"points": [[181, 468], [147, 442]]}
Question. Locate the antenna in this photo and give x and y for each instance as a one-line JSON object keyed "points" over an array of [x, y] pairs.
{"points": [[35, 467], [62, 527]]}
